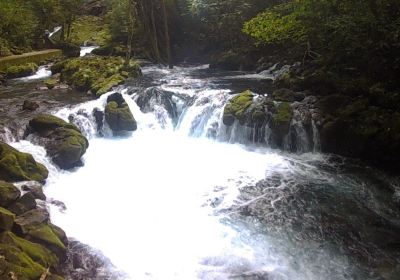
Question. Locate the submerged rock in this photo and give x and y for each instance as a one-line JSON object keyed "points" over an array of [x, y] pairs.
{"points": [[18, 166], [63, 141], [118, 115], [30, 105]]}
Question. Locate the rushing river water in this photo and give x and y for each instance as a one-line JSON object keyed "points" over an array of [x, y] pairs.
{"points": [[179, 199]]}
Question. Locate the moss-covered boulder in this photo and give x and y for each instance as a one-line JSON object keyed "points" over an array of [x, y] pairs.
{"points": [[8, 194], [45, 235], [18, 166], [237, 107], [6, 219], [63, 141], [119, 117], [96, 74], [16, 264], [19, 71], [36, 252]]}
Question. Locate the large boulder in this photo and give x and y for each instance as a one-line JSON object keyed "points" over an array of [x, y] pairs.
{"points": [[237, 108], [23, 204], [18, 166], [63, 141], [118, 115]]}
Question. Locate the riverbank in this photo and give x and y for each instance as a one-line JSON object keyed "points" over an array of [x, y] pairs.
{"points": [[36, 57]]}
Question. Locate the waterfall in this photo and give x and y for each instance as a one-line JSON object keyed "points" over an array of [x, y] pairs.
{"points": [[186, 197]]}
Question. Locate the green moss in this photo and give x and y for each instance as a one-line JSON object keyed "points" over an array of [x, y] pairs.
{"points": [[97, 74], [90, 29], [19, 263], [21, 70], [17, 166], [43, 123], [237, 107], [70, 149], [36, 252], [32, 57], [51, 83], [45, 234], [6, 219], [120, 118], [109, 83], [284, 114]]}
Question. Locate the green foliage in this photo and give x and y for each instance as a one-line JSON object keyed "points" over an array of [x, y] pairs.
{"points": [[90, 29], [362, 34]]}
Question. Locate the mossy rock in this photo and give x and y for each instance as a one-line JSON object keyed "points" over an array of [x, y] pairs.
{"points": [[17, 263], [8, 194], [51, 83], [67, 147], [44, 124], [281, 121], [119, 117], [237, 108], [332, 104], [18, 166], [96, 74], [19, 71], [36, 252], [23, 204], [106, 85], [65, 143], [45, 235], [6, 219]]}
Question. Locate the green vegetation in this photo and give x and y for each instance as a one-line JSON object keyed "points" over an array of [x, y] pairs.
{"points": [[33, 57], [21, 70], [357, 38], [237, 107], [17, 166], [90, 29], [97, 74]]}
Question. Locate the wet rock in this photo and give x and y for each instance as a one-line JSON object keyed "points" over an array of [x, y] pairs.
{"points": [[99, 117], [118, 115], [36, 252], [17, 166], [45, 235], [281, 121], [287, 95], [32, 217], [8, 194], [63, 141], [35, 188], [236, 108], [23, 204], [30, 105], [6, 219], [152, 97]]}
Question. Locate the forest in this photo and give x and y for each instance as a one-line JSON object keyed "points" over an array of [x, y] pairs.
{"points": [[199, 139]]}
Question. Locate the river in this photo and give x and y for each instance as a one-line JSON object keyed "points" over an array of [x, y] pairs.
{"points": [[185, 198]]}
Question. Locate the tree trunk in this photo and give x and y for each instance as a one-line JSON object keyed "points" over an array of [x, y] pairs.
{"points": [[167, 38], [155, 37]]}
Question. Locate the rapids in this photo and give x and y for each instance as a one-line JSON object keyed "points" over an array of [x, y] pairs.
{"points": [[182, 198]]}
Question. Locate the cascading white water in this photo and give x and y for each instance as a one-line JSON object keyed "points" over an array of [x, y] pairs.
{"points": [[42, 73], [159, 203]]}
